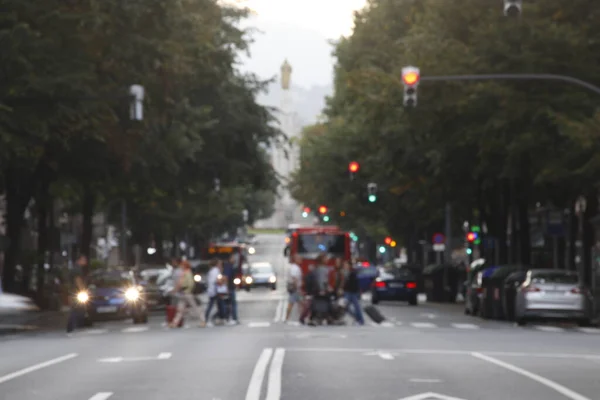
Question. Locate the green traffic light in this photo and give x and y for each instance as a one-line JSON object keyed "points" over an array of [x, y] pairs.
{"points": [[372, 198], [381, 249], [326, 218], [469, 251]]}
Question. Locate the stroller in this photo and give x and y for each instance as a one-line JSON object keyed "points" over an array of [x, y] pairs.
{"points": [[328, 308]]}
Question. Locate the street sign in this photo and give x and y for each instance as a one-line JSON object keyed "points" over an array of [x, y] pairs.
{"points": [[439, 247], [439, 238], [430, 396]]}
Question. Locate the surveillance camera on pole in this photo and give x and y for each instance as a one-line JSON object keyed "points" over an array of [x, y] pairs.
{"points": [[136, 109], [410, 79], [513, 8]]}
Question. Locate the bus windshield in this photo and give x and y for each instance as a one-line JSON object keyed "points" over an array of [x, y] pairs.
{"points": [[310, 245]]}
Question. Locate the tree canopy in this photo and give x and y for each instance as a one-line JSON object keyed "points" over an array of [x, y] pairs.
{"points": [[494, 150], [66, 136]]}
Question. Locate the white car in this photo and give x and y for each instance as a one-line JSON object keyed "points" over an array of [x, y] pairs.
{"points": [[15, 304]]}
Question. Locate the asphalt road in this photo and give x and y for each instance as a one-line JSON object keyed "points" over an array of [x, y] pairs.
{"points": [[420, 353]]}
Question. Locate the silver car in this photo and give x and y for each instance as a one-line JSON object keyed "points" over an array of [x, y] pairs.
{"points": [[552, 294]]}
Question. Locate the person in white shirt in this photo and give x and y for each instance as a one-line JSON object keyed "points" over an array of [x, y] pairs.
{"points": [[211, 291], [294, 284]]}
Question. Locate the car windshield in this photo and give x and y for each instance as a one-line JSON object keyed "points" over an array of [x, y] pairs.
{"points": [[110, 281], [554, 277], [312, 244], [262, 269], [397, 273]]}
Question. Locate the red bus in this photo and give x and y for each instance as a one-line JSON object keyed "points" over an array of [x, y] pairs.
{"points": [[309, 242], [224, 251]]}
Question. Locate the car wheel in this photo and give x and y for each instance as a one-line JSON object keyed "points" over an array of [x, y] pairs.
{"points": [[144, 319], [413, 301], [87, 322], [467, 311], [374, 300], [247, 288], [584, 322], [521, 321], [274, 287]]}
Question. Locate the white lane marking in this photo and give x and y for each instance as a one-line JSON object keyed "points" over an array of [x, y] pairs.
{"points": [[381, 354], [423, 325], [164, 356], [430, 396], [274, 383], [278, 311], [101, 396], [259, 324], [135, 329], [93, 331], [448, 352], [548, 328], [465, 326], [425, 380], [540, 379], [294, 323], [258, 375], [387, 324], [589, 330], [35, 367], [398, 323], [429, 315]]}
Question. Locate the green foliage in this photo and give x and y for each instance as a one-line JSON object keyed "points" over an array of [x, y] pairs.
{"points": [[463, 138]]}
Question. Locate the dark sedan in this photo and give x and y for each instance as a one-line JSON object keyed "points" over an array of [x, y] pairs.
{"points": [[398, 284], [113, 295]]}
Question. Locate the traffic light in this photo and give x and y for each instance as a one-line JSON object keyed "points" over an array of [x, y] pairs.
{"points": [[326, 218], [472, 236], [353, 168], [372, 192], [410, 79], [387, 240], [305, 212], [393, 243], [513, 8], [322, 210], [382, 249]]}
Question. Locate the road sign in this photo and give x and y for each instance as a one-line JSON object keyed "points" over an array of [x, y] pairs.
{"points": [[439, 238], [430, 396], [439, 247]]}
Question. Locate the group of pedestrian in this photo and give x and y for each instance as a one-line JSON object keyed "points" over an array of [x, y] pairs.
{"points": [[220, 289], [316, 287]]}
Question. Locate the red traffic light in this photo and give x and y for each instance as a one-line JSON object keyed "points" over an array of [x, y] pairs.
{"points": [[353, 167], [388, 240], [411, 76], [306, 210], [471, 236], [322, 210]]}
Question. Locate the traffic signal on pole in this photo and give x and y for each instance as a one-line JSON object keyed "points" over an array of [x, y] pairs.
{"points": [[322, 210], [305, 212], [372, 192], [353, 167], [472, 236], [393, 243], [513, 8], [326, 218], [411, 76], [387, 240]]}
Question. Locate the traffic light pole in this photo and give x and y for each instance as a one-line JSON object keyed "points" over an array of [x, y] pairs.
{"points": [[515, 77]]}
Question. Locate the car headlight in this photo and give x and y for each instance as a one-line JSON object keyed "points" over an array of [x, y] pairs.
{"points": [[272, 279], [83, 297], [248, 280], [251, 250], [237, 281], [197, 278], [132, 294]]}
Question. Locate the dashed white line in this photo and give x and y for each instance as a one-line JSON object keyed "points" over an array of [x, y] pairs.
{"points": [[425, 380], [101, 396], [277, 316], [258, 375], [135, 329], [540, 379], [423, 325], [274, 384], [94, 331], [590, 330], [164, 356], [465, 326], [387, 324], [548, 328], [36, 367]]}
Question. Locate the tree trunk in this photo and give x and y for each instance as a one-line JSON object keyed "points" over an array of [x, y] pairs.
{"points": [[591, 211], [89, 199]]}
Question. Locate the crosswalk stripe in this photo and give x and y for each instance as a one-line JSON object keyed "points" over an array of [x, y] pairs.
{"points": [[589, 330], [387, 324], [423, 325], [465, 326], [135, 329], [548, 328], [94, 331], [259, 324]]}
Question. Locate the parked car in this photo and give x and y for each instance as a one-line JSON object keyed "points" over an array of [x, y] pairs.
{"points": [[552, 294]]}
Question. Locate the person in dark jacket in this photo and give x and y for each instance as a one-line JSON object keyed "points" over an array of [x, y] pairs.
{"points": [[310, 290], [229, 271], [352, 293]]}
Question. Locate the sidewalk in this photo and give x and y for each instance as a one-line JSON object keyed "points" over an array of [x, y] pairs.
{"points": [[32, 321]]}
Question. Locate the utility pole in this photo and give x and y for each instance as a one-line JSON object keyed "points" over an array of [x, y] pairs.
{"points": [[448, 249]]}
